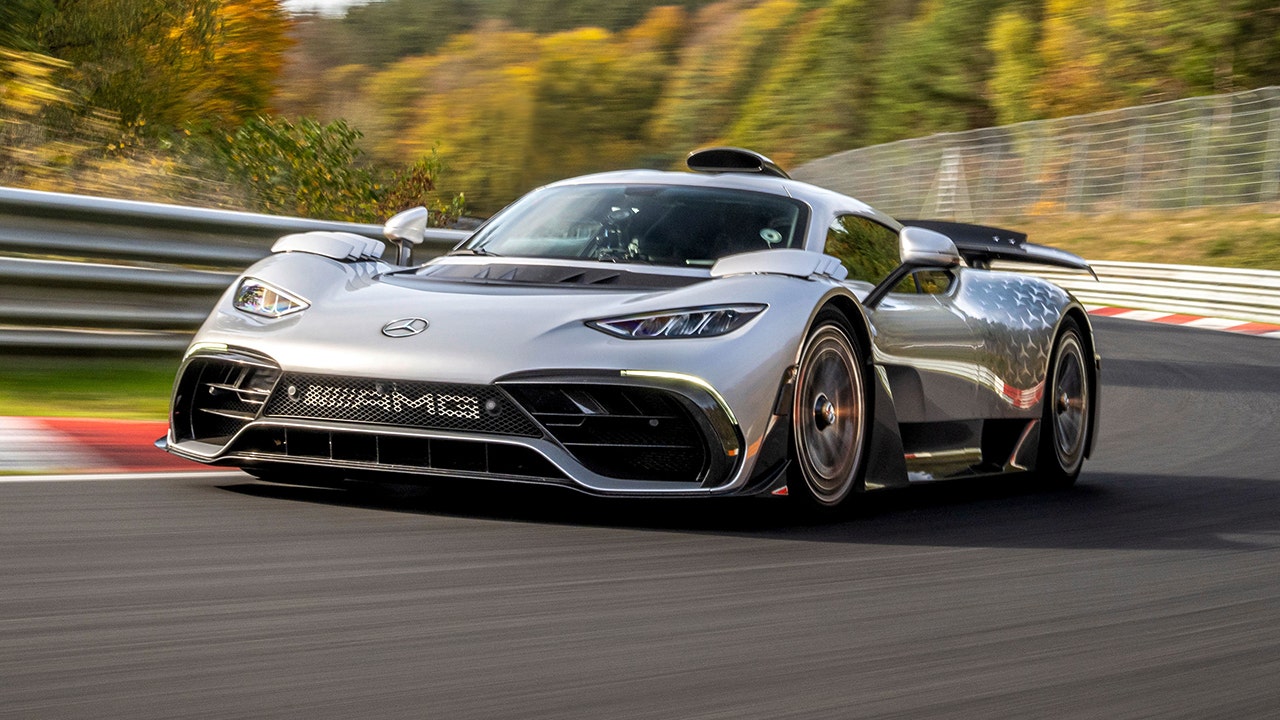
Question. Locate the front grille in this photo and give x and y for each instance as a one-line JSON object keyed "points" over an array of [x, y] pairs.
{"points": [[435, 406], [395, 453], [624, 432]]}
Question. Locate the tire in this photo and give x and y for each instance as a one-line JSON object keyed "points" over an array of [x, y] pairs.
{"points": [[830, 417], [1064, 425]]}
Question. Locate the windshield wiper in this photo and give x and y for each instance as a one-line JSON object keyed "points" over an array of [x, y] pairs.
{"points": [[475, 251]]}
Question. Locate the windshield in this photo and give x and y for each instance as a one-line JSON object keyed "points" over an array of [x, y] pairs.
{"points": [[658, 224]]}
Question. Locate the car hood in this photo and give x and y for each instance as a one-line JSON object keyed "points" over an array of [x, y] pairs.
{"points": [[484, 329]]}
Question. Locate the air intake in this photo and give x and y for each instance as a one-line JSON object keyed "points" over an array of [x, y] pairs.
{"points": [[733, 160]]}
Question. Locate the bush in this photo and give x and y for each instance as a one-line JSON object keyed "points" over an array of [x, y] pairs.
{"points": [[313, 170], [302, 168]]}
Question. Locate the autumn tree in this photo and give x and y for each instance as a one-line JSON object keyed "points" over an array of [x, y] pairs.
{"points": [[1016, 65], [933, 76], [473, 101], [815, 97], [244, 61], [727, 52], [1096, 55], [165, 62]]}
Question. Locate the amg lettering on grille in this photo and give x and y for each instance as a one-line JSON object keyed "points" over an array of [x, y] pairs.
{"points": [[454, 406], [407, 403]]}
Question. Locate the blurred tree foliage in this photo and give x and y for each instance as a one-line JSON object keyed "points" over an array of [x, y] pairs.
{"points": [[169, 100], [933, 76], [515, 94], [161, 61], [511, 109], [521, 96], [378, 33], [312, 170], [114, 87], [301, 168], [728, 50]]}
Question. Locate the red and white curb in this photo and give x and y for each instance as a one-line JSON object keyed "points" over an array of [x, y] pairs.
{"points": [[70, 446], [1243, 327]]}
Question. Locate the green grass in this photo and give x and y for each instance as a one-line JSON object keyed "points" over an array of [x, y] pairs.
{"points": [[1247, 236], [126, 388]]}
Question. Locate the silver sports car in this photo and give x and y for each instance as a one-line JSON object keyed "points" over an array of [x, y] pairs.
{"points": [[725, 331]]}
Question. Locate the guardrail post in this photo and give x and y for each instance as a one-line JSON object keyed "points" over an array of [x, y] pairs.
{"points": [[1271, 160], [1133, 167]]}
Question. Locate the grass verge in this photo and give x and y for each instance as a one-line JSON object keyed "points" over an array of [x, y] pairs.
{"points": [[123, 388], [1246, 237]]}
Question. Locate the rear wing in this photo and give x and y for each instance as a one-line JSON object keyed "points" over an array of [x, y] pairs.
{"points": [[980, 244]]}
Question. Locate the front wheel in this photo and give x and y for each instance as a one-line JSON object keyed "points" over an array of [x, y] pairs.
{"points": [[828, 417], [1064, 427]]}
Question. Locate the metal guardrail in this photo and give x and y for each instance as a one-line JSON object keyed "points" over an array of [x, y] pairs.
{"points": [[84, 274], [1235, 293]]}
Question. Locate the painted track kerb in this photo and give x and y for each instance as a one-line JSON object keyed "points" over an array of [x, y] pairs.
{"points": [[1243, 327]]}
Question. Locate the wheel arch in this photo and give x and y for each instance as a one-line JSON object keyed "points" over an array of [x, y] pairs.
{"points": [[848, 306], [885, 461]]}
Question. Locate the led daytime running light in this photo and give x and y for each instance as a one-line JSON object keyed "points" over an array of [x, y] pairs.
{"points": [[259, 298]]}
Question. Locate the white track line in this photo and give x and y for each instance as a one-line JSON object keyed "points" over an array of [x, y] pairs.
{"points": [[87, 477]]}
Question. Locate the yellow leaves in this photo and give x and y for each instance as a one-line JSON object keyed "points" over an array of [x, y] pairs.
{"points": [[662, 29], [26, 84]]}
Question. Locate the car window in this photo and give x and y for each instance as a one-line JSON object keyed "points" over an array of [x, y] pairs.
{"points": [[933, 282], [657, 224], [868, 250]]}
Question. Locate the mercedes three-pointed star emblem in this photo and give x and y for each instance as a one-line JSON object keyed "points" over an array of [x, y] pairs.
{"points": [[404, 327]]}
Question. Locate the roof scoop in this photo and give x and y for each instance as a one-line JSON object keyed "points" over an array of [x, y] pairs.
{"points": [[733, 160]]}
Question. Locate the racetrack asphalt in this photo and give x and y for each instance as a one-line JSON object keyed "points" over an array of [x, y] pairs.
{"points": [[1151, 589]]}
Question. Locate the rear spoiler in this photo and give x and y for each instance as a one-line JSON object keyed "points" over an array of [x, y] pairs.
{"points": [[980, 244]]}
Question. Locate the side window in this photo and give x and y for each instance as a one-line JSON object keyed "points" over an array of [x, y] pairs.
{"points": [[868, 249], [933, 282]]}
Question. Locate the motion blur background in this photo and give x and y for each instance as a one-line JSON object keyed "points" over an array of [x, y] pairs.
{"points": [[356, 110], [1158, 122]]}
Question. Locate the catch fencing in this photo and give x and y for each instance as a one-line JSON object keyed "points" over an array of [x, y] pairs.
{"points": [[1198, 152], [92, 274]]}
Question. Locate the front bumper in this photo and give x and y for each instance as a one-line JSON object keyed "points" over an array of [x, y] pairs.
{"points": [[632, 432]]}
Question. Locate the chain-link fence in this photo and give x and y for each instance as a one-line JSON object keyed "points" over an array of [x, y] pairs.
{"points": [[1214, 150]]}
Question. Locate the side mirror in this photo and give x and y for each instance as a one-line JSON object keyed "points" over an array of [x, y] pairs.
{"points": [[406, 229], [920, 247]]}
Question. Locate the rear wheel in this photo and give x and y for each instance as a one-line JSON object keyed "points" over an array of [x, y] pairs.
{"points": [[829, 416], [1064, 428]]}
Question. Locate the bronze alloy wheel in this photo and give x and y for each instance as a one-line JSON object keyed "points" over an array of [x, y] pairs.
{"points": [[829, 415]]}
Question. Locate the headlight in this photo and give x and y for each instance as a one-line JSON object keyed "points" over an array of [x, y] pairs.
{"points": [[688, 322], [258, 298]]}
